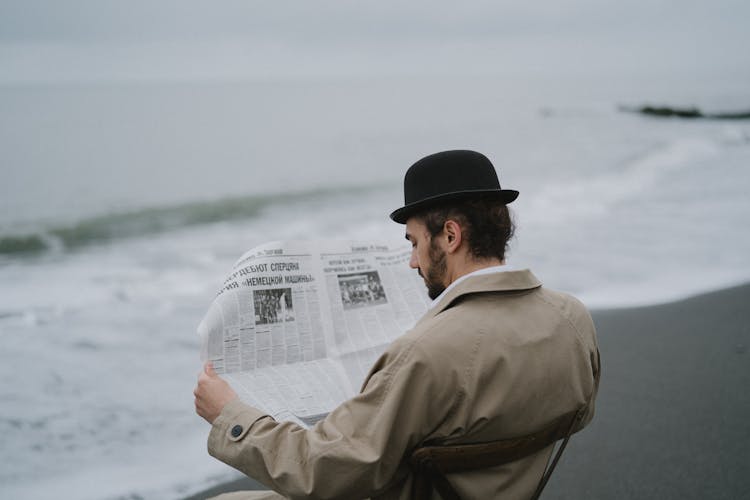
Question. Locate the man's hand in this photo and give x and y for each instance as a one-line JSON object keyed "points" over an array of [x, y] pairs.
{"points": [[211, 394]]}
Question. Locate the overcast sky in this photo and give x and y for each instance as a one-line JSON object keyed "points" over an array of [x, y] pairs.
{"points": [[146, 40]]}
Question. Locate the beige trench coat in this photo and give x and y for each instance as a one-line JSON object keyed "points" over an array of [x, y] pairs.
{"points": [[498, 357]]}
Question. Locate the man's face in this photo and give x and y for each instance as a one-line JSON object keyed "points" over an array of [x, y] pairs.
{"points": [[426, 257]]}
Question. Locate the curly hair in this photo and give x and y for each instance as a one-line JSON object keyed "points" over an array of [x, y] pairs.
{"points": [[486, 225]]}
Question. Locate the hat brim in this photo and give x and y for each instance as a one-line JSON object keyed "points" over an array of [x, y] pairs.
{"points": [[401, 215]]}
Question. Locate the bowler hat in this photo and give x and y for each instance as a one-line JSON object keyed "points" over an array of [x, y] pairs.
{"points": [[449, 176]]}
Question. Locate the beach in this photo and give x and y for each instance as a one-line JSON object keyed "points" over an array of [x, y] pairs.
{"points": [[673, 406], [108, 266], [145, 149]]}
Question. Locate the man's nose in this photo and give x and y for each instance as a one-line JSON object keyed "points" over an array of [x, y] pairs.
{"points": [[413, 262]]}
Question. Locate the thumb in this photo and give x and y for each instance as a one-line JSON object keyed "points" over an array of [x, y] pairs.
{"points": [[209, 369]]}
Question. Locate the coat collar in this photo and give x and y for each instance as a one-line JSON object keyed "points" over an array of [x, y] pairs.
{"points": [[497, 282]]}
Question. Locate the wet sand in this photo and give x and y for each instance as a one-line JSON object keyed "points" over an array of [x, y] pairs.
{"points": [[673, 412]]}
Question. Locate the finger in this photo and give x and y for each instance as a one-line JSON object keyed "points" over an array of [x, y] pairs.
{"points": [[209, 369]]}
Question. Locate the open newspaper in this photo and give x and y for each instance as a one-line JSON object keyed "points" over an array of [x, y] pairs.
{"points": [[297, 325]]}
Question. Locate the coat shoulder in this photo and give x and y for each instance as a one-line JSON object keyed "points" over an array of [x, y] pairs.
{"points": [[572, 310]]}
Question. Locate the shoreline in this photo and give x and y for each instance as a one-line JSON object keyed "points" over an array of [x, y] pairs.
{"points": [[672, 410]]}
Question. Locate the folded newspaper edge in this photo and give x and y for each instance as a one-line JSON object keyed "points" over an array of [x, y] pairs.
{"points": [[297, 325]]}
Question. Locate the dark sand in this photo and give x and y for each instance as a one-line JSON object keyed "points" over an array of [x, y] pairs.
{"points": [[673, 412]]}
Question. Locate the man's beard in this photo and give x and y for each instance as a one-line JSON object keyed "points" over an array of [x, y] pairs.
{"points": [[435, 272]]}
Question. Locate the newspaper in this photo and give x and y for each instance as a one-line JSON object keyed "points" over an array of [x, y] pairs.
{"points": [[297, 325]]}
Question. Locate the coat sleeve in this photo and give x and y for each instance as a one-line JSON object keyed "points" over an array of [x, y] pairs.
{"points": [[358, 449], [587, 335]]}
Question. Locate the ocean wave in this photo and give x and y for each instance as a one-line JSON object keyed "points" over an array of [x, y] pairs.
{"points": [[596, 195], [150, 220]]}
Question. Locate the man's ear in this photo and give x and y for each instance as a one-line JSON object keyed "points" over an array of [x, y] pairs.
{"points": [[452, 235]]}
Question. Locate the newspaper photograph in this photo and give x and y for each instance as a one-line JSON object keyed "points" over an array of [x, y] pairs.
{"points": [[296, 326]]}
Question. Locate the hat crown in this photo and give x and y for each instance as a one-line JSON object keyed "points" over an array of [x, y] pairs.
{"points": [[449, 172]]}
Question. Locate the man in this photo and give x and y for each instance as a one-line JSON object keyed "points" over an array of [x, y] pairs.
{"points": [[497, 357]]}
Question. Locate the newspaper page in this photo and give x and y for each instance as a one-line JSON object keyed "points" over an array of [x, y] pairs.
{"points": [[296, 326]]}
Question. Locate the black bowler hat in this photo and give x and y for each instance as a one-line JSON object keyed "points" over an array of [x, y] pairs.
{"points": [[447, 176]]}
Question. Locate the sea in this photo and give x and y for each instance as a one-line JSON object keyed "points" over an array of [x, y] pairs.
{"points": [[124, 204]]}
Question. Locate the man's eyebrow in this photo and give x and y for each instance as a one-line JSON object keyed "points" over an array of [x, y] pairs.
{"points": [[407, 236]]}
